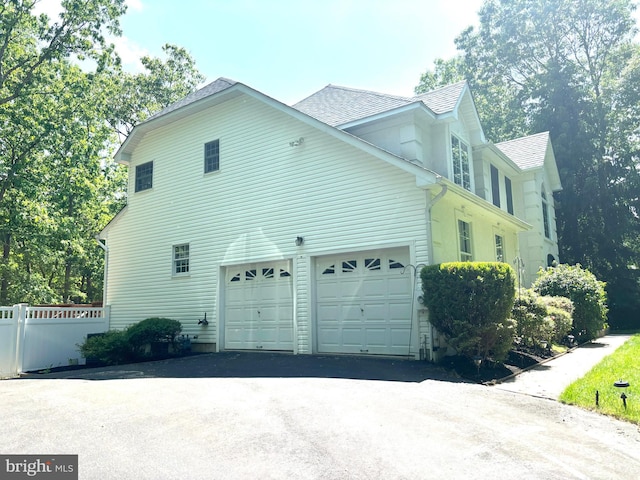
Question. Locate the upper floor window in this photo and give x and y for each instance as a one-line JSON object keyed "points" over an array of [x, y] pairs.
{"points": [[495, 186], [545, 215], [181, 259], [144, 176], [509, 193], [461, 162], [464, 235], [212, 156]]}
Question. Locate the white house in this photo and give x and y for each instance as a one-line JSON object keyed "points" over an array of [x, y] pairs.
{"points": [[301, 228]]}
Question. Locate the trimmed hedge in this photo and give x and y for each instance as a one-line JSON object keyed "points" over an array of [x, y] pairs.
{"points": [[152, 330], [470, 303]]}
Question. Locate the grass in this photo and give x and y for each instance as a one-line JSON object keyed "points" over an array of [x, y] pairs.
{"points": [[621, 364]]}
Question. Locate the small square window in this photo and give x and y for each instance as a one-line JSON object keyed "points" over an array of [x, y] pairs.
{"points": [[144, 176], [212, 156], [181, 259]]}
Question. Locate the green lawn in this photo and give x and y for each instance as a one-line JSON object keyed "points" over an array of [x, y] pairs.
{"points": [[623, 364]]}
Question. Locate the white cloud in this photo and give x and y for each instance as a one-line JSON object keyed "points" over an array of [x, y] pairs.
{"points": [[134, 5], [51, 8], [130, 53]]}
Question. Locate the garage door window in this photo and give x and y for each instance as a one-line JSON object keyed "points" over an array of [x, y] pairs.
{"points": [[395, 264], [284, 273], [372, 263], [349, 266]]}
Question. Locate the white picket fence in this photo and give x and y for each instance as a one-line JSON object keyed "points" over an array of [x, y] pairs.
{"points": [[38, 338]]}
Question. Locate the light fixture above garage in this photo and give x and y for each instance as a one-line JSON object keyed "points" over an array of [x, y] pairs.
{"points": [[299, 241]]}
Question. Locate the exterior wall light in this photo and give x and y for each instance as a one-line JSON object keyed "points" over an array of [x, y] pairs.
{"points": [[299, 241]]}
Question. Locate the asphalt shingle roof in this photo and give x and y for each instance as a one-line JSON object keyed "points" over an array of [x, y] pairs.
{"points": [[214, 87], [526, 152], [336, 105]]}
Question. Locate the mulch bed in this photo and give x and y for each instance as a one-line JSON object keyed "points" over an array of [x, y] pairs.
{"points": [[491, 372]]}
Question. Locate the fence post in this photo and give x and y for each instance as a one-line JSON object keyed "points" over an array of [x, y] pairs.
{"points": [[20, 317], [106, 311]]}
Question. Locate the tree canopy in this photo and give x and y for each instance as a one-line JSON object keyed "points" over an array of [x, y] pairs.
{"points": [[570, 68], [59, 125]]}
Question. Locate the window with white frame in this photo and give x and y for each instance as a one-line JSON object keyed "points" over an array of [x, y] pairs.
{"points": [[181, 259], [509, 193], [499, 240], [545, 214], [144, 176], [495, 186], [212, 156], [464, 236], [461, 163]]}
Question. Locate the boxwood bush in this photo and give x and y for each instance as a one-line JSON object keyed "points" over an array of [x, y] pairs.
{"points": [[585, 291], [470, 303], [150, 331], [109, 348]]}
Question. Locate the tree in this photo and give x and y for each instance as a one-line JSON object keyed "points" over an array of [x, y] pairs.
{"points": [[29, 43], [568, 67], [58, 183], [138, 96]]}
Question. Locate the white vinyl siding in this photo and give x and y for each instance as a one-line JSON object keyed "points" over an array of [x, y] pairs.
{"points": [[334, 195]]}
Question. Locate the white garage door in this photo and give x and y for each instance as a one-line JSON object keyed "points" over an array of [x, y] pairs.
{"points": [[259, 306], [363, 302]]}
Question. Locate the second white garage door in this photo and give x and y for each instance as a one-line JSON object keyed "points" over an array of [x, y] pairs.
{"points": [[363, 302], [259, 307]]}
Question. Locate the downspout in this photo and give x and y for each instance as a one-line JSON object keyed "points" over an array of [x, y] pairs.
{"points": [[430, 204], [106, 268]]}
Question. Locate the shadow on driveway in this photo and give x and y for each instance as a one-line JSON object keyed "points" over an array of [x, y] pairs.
{"points": [[264, 365]]}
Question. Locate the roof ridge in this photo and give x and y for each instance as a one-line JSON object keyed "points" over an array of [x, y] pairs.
{"points": [[519, 139], [439, 88], [373, 92]]}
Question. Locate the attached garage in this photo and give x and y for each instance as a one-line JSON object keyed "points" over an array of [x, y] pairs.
{"points": [[364, 302], [259, 307]]}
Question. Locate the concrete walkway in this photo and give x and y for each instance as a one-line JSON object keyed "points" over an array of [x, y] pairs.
{"points": [[551, 378]]}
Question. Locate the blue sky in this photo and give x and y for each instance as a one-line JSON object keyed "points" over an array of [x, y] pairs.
{"points": [[289, 49]]}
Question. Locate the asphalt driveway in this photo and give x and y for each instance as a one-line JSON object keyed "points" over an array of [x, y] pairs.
{"points": [[231, 416]]}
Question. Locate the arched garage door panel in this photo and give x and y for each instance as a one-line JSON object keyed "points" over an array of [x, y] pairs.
{"points": [[363, 302], [259, 307]]}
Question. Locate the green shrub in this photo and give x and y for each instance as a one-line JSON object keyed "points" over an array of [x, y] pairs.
{"points": [[560, 310], [541, 319], [470, 303], [529, 313], [585, 291], [109, 348], [122, 346], [150, 331]]}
